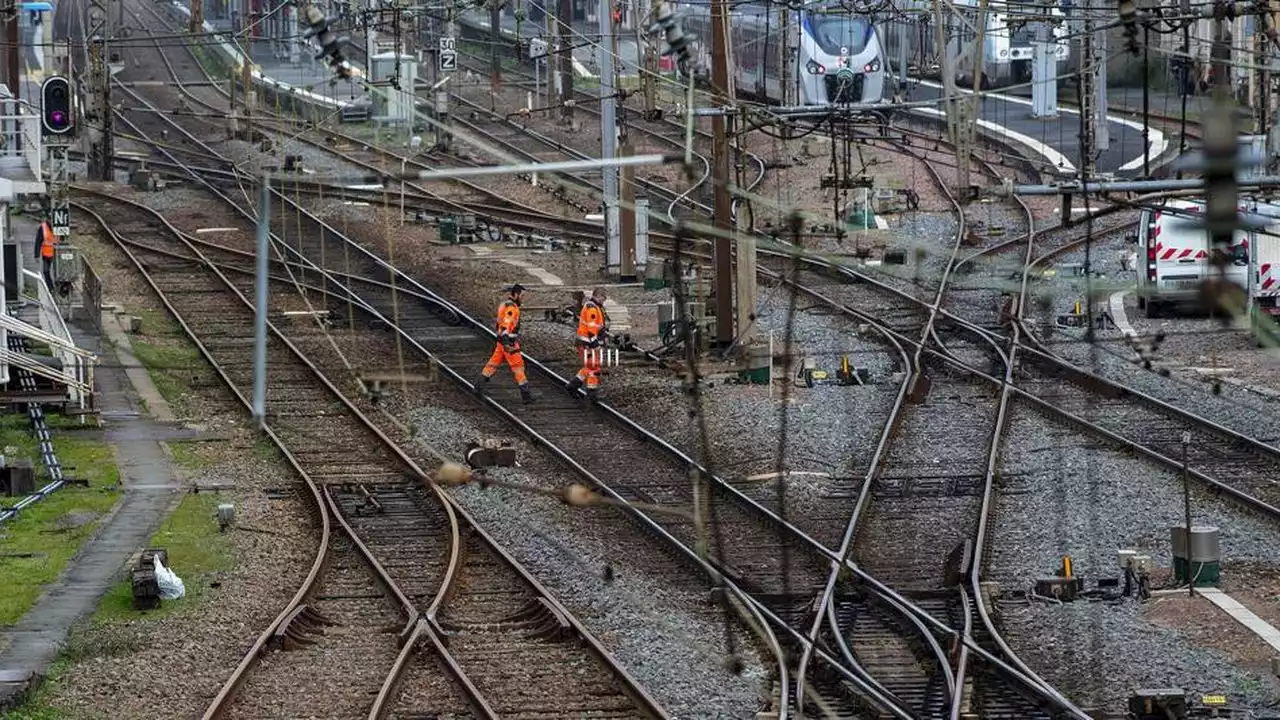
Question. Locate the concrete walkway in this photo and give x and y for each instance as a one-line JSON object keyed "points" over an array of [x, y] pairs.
{"points": [[150, 493], [1243, 615]]}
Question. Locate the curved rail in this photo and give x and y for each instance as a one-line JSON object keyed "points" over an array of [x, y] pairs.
{"points": [[634, 689]]}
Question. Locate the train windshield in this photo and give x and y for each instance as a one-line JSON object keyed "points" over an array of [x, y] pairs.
{"points": [[840, 34]]}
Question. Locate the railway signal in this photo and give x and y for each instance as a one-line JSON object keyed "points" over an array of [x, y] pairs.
{"points": [[55, 107]]}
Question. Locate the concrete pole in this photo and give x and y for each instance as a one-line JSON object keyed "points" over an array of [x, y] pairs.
{"points": [[260, 307], [746, 288], [564, 39], [609, 139], [722, 86], [1102, 130], [627, 220], [370, 36], [646, 61], [495, 38], [294, 32], [1044, 73], [946, 66]]}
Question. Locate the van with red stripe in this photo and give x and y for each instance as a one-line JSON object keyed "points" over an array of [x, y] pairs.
{"points": [[1264, 263], [1175, 256]]}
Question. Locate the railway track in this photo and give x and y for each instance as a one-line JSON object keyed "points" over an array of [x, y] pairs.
{"points": [[760, 574], [497, 614]]}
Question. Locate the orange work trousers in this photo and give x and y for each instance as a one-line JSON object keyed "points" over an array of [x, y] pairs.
{"points": [[512, 358], [590, 372]]}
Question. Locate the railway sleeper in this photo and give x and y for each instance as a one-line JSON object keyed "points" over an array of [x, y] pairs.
{"points": [[297, 630], [537, 616]]}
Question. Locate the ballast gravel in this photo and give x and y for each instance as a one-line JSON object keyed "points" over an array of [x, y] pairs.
{"points": [[650, 611], [1062, 493]]}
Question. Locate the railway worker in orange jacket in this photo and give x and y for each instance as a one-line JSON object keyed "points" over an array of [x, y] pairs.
{"points": [[508, 346], [46, 241], [593, 328]]}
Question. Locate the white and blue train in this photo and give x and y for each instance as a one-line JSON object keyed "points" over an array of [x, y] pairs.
{"points": [[838, 54], [1007, 51]]}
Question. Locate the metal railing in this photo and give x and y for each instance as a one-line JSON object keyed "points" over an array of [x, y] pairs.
{"points": [[76, 372], [19, 136]]}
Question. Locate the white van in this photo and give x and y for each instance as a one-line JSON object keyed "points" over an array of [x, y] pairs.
{"points": [[1174, 257], [1264, 265]]}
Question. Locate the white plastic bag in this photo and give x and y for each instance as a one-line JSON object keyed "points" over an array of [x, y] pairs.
{"points": [[171, 587]]}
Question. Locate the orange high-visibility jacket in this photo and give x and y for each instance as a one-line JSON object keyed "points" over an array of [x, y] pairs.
{"points": [[508, 320], [46, 240], [591, 321]]}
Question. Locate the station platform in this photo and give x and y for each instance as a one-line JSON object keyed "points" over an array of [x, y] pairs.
{"points": [[1056, 140], [585, 56]]}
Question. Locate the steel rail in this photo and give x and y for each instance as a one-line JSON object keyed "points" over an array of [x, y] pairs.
{"points": [[913, 374], [974, 573], [760, 609], [322, 552], [677, 142], [760, 509], [328, 515], [628, 682], [266, 123]]}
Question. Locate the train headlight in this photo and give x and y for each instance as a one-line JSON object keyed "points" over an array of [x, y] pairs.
{"points": [[815, 68], [873, 66], [1004, 53]]}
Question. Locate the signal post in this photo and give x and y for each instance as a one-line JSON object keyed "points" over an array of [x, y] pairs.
{"points": [[57, 126]]}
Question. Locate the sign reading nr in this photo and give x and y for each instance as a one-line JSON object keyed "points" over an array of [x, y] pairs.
{"points": [[60, 220], [448, 54]]}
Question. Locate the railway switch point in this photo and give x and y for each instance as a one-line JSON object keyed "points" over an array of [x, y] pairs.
{"points": [[1064, 589]]}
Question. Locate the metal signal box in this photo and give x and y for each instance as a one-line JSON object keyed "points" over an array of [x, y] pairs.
{"points": [[66, 264]]}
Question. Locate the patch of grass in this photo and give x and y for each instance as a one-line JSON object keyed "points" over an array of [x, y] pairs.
{"points": [[170, 367], [265, 450], [156, 323], [36, 546], [187, 454], [197, 552]]}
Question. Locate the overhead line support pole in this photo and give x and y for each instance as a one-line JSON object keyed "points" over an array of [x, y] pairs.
{"points": [[495, 38], [564, 55], [13, 58], [609, 139], [260, 304], [722, 82], [100, 138]]}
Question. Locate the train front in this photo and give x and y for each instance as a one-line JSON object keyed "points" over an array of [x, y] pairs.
{"points": [[840, 58]]}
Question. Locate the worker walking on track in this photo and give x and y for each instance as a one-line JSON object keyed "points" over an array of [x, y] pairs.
{"points": [[508, 347], [593, 328], [45, 243]]}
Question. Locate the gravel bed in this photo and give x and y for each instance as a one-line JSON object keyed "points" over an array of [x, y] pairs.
{"points": [[655, 620], [1062, 493], [1189, 342], [1098, 653]]}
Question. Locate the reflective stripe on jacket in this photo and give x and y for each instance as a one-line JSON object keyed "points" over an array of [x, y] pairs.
{"points": [[509, 320], [591, 321]]}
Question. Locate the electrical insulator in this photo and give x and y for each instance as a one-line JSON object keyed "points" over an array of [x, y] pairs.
{"points": [[1129, 16], [331, 45], [1221, 149], [677, 43]]}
